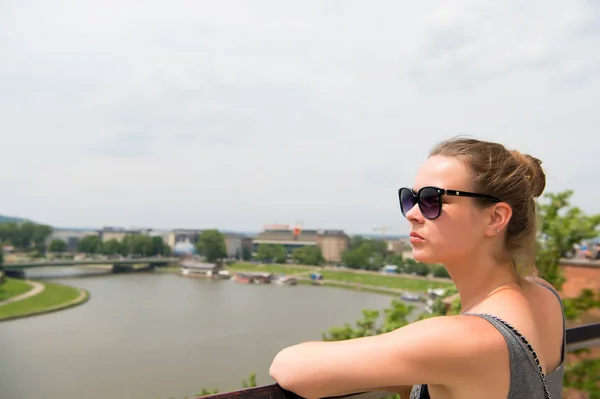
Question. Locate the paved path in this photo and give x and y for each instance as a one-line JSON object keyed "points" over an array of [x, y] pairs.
{"points": [[37, 288], [357, 285], [395, 275]]}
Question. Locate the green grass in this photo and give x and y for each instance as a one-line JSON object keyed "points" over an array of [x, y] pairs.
{"points": [[362, 289], [54, 297], [13, 287], [278, 269], [399, 282]]}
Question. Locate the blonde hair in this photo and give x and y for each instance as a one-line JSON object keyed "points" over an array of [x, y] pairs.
{"points": [[515, 178]]}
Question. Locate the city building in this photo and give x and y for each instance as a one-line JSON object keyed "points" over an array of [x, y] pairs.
{"points": [[331, 242], [187, 236], [247, 245], [233, 243], [398, 246], [118, 233], [183, 242], [238, 245], [286, 236]]}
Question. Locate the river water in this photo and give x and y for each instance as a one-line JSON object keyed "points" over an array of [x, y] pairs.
{"points": [[162, 336]]}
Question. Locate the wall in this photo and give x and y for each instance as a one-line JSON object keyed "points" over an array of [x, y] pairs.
{"points": [[234, 247], [579, 274], [332, 247]]}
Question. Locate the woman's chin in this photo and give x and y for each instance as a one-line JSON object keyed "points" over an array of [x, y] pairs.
{"points": [[423, 255]]}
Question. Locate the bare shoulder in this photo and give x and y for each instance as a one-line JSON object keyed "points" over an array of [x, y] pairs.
{"points": [[461, 340], [539, 280], [447, 351], [543, 297]]}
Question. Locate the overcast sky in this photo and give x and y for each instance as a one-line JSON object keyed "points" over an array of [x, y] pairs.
{"points": [[235, 114]]}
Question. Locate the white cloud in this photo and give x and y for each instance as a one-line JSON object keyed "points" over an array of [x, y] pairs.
{"points": [[235, 114]]}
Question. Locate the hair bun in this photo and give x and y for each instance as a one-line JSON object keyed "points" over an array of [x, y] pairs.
{"points": [[537, 178], [533, 172]]}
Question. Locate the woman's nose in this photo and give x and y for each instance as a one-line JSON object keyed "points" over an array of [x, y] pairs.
{"points": [[414, 214]]}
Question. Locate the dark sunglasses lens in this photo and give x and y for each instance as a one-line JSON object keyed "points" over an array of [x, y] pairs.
{"points": [[429, 200], [407, 200]]}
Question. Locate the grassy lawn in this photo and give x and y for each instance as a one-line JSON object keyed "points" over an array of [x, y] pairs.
{"points": [[362, 289], [54, 296], [410, 284], [13, 287], [278, 269]]}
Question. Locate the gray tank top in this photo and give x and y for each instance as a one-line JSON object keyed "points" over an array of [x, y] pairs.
{"points": [[525, 370]]}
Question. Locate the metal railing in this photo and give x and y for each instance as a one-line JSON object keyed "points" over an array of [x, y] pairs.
{"points": [[580, 337]]}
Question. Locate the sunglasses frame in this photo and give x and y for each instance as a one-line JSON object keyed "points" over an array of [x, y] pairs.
{"points": [[440, 192]]}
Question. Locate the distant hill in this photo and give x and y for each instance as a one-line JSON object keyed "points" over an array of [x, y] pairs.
{"points": [[11, 219]]}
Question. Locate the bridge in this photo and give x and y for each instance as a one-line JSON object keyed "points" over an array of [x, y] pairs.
{"points": [[119, 262], [580, 337], [17, 269]]}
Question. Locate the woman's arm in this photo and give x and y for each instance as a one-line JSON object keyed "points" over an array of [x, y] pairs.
{"points": [[440, 350]]}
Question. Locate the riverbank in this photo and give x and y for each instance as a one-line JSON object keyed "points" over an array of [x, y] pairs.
{"points": [[41, 299], [274, 268], [354, 279], [13, 288]]}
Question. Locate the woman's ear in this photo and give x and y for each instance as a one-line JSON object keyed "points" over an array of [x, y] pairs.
{"points": [[499, 217]]}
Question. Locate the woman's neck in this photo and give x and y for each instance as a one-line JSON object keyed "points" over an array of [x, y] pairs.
{"points": [[476, 279]]}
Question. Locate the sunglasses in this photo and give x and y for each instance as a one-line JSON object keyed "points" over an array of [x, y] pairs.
{"points": [[429, 199]]}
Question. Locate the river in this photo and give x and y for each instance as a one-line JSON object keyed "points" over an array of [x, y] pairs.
{"points": [[162, 336]]}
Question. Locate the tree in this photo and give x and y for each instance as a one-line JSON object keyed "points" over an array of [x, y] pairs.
{"points": [[40, 234], [271, 253], [167, 251], [90, 245], [359, 258], [141, 244], [111, 247], [562, 226], [583, 375], [394, 317], [57, 245], [395, 259], [308, 255], [279, 253], [418, 268], [25, 236], [2, 279], [251, 383], [136, 244], [158, 246], [574, 307], [365, 253], [246, 253], [264, 253], [211, 244], [440, 271]]}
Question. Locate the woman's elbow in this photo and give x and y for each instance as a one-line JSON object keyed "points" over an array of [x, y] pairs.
{"points": [[288, 377], [281, 371]]}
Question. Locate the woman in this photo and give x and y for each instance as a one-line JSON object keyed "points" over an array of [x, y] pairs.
{"points": [[471, 209]]}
